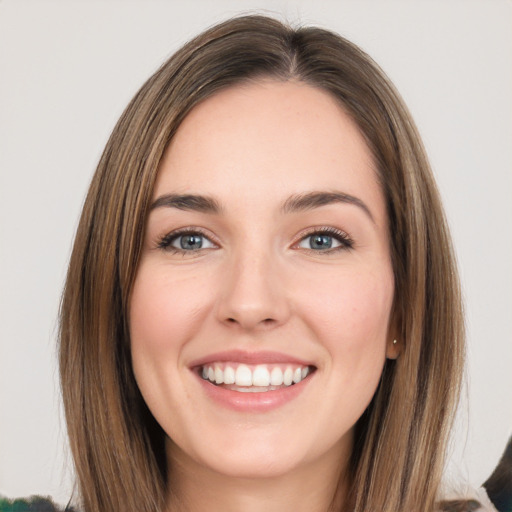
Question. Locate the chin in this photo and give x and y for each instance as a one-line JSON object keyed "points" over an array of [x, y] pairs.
{"points": [[250, 455], [255, 466]]}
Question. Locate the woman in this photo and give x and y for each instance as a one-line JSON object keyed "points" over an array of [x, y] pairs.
{"points": [[262, 307]]}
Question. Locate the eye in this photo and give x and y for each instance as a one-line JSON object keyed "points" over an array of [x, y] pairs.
{"points": [[185, 241], [326, 240]]}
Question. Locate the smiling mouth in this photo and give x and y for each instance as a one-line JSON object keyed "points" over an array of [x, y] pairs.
{"points": [[259, 378]]}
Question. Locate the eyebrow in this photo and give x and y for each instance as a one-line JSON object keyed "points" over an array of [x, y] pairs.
{"points": [[311, 200], [295, 203], [190, 202]]}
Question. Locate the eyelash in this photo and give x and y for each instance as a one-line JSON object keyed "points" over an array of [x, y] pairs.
{"points": [[165, 242], [346, 243]]}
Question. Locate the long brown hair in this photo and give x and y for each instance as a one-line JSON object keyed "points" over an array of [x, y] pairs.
{"points": [[401, 438]]}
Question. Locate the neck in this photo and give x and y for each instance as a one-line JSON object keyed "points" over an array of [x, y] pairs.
{"points": [[319, 486]]}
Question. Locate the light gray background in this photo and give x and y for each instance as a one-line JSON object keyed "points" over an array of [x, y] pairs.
{"points": [[68, 68]]}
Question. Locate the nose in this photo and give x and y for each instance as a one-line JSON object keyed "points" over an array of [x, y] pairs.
{"points": [[253, 295]]}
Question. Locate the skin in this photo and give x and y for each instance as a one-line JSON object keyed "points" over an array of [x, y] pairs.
{"points": [[258, 285]]}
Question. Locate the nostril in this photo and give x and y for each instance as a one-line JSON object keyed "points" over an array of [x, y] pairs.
{"points": [[265, 321]]}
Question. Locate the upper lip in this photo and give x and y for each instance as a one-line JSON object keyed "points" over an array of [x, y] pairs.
{"points": [[241, 356]]}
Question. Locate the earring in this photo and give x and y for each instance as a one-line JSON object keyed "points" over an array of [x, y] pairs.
{"points": [[395, 342]]}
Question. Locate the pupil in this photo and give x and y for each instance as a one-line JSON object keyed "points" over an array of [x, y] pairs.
{"points": [[320, 242], [191, 242]]}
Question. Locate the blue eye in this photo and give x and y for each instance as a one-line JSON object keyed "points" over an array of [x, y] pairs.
{"points": [[325, 241], [321, 242], [185, 242], [188, 242]]}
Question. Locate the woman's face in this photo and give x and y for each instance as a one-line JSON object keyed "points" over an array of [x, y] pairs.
{"points": [[260, 312]]}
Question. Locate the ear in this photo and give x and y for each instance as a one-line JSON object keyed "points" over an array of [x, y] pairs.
{"points": [[394, 343], [393, 348]]}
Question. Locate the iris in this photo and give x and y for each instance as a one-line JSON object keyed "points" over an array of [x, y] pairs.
{"points": [[320, 241], [191, 242]]}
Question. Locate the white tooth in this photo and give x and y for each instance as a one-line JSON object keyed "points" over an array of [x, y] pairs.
{"points": [[245, 390], [304, 372], [276, 376], [243, 376], [260, 376], [229, 375], [205, 372], [251, 389], [297, 375], [211, 374], [219, 375], [255, 389], [288, 376]]}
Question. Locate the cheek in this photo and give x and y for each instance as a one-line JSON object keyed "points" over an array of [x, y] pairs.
{"points": [[350, 316], [164, 311], [356, 330], [351, 307]]}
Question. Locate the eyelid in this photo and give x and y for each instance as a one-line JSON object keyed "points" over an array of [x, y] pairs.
{"points": [[164, 242], [342, 236]]}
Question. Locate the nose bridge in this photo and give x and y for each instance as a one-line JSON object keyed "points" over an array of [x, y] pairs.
{"points": [[252, 294]]}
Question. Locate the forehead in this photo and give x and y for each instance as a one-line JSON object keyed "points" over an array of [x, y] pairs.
{"points": [[262, 140]]}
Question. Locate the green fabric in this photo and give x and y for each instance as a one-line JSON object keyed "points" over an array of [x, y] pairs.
{"points": [[32, 504]]}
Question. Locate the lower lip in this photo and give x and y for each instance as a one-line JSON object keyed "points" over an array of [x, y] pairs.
{"points": [[253, 402]]}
